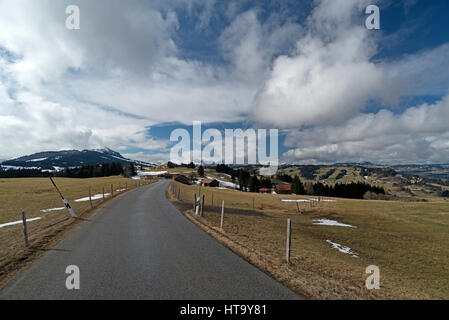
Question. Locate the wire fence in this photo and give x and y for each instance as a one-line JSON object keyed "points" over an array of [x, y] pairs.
{"points": [[47, 215]]}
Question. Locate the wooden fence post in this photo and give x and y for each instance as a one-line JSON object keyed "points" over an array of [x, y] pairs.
{"points": [[194, 202], [212, 199], [25, 232], [287, 253], [202, 206], [297, 207], [112, 190], [90, 198], [103, 193], [197, 206], [222, 214]]}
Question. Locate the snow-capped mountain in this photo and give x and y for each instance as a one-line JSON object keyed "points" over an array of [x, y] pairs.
{"points": [[54, 160]]}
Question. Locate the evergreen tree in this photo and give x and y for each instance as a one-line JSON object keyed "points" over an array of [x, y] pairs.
{"points": [[253, 184], [201, 171], [191, 165], [297, 186]]}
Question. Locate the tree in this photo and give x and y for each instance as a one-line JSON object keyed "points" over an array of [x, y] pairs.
{"points": [[297, 186], [191, 165], [171, 165], [285, 177], [240, 179], [253, 184], [201, 171]]}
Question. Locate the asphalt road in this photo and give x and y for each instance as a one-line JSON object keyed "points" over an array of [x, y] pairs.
{"points": [[139, 246]]}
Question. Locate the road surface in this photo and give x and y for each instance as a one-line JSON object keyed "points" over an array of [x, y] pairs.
{"points": [[139, 246]]}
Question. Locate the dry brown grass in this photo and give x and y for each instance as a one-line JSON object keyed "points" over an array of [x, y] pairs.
{"points": [[409, 242], [35, 194]]}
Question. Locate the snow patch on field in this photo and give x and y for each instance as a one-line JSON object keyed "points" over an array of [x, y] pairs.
{"points": [[343, 249], [18, 222], [228, 184], [95, 197], [225, 183], [52, 209], [298, 200], [322, 200], [150, 173], [333, 223]]}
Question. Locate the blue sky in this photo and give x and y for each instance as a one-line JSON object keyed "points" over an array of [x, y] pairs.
{"points": [[137, 70]]}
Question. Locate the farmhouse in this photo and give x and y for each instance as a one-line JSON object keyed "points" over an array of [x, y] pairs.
{"points": [[283, 189], [210, 183]]}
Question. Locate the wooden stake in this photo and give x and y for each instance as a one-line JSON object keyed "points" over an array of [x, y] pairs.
{"points": [[25, 232], [90, 198], [287, 251], [222, 215], [202, 206], [197, 206]]}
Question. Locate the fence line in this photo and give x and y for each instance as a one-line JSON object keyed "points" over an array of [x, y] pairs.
{"points": [[34, 232]]}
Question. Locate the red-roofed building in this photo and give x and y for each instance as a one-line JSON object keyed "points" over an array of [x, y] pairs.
{"points": [[283, 188]]}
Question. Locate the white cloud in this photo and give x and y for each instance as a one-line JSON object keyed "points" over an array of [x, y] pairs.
{"points": [[77, 89], [160, 157], [250, 45], [422, 73], [329, 77], [419, 134], [105, 84]]}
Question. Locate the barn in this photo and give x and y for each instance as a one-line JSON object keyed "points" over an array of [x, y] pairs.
{"points": [[210, 183], [182, 179]]}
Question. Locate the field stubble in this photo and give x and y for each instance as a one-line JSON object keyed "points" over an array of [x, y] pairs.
{"points": [[408, 241]]}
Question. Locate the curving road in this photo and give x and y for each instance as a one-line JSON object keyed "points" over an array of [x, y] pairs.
{"points": [[139, 246]]}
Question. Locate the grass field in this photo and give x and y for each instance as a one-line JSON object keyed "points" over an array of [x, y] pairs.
{"points": [[35, 194], [408, 241]]}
